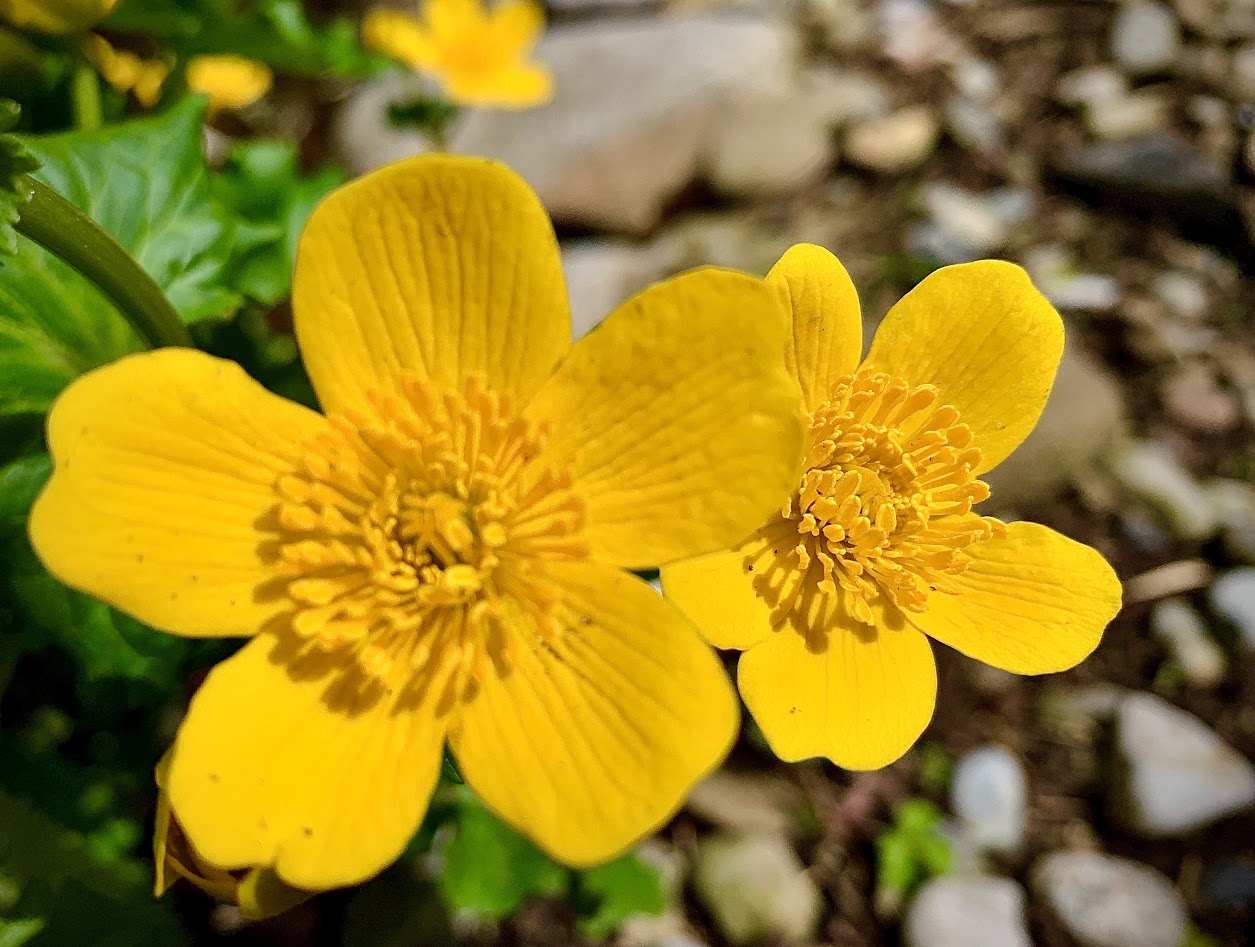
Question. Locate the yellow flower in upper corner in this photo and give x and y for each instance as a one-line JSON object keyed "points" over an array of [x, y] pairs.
{"points": [[831, 598], [230, 82], [127, 72], [56, 16], [480, 56], [258, 892], [442, 555]]}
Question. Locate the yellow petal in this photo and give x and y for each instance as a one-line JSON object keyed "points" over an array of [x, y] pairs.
{"points": [[678, 419], [300, 763], [987, 339], [261, 893], [231, 82], [827, 326], [398, 35], [516, 86], [592, 740], [450, 20], [441, 266], [1031, 602], [716, 594], [164, 469], [516, 25], [56, 16], [861, 701]]}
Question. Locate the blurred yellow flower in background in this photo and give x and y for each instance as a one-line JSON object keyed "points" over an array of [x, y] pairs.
{"points": [[444, 555], [230, 82], [479, 55], [832, 597], [127, 72], [258, 892], [56, 16]]}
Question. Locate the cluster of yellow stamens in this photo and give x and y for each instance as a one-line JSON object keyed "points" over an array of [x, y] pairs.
{"points": [[883, 509], [408, 531]]}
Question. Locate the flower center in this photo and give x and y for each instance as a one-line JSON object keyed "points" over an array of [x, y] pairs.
{"points": [[407, 529], [881, 512]]}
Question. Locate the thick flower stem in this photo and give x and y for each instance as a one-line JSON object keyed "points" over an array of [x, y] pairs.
{"points": [[85, 96], [64, 230]]}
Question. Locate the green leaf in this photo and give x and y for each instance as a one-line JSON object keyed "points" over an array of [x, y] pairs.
{"points": [[15, 164], [262, 182], [910, 851], [489, 869], [611, 893], [144, 182], [18, 932], [20, 482], [78, 899]]}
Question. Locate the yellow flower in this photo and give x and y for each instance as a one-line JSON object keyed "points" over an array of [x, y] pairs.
{"points": [[479, 55], [231, 82], [126, 72], [258, 892], [831, 598], [56, 16], [442, 555]]}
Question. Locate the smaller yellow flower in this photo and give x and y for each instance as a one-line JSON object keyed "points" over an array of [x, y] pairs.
{"points": [[833, 598], [258, 892], [479, 55], [56, 16], [127, 72], [231, 82]]}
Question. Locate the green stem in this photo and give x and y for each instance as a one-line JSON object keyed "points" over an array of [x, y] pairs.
{"points": [[85, 95], [64, 230]]}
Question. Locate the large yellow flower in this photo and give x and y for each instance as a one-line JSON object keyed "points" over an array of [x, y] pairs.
{"points": [[480, 56], [230, 81], [831, 598], [442, 554]]}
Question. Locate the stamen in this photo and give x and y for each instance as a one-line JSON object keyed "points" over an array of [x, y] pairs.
{"points": [[882, 513], [407, 526]]}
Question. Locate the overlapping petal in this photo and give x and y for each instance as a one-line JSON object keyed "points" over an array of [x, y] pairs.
{"points": [[677, 419], [827, 326], [164, 470], [301, 763], [716, 592], [1032, 602], [438, 266], [591, 740], [860, 696], [984, 335]]}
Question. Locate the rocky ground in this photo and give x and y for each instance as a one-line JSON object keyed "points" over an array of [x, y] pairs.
{"points": [[1106, 146]]}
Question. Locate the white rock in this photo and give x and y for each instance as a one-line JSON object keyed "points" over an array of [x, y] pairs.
{"points": [[911, 33], [976, 224], [1183, 293], [1091, 84], [989, 795], [636, 100], [847, 95], [967, 911], [752, 803], [1139, 113], [766, 146], [895, 143], [1145, 37], [1234, 503], [974, 124], [1110, 902], [756, 889], [1184, 633], [1243, 70], [1150, 471], [1181, 776], [1055, 275], [976, 78], [1232, 595]]}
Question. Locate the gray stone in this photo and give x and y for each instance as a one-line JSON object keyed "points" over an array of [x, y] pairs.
{"points": [[1184, 633], [1184, 294], [1091, 84], [600, 274], [846, 95], [1192, 396], [1232, 596], [974, 124], [1234, 503], [989, 795], [1179, 775], [967, 911], [1145, 37], [751, 803], [1082, 419], [895, 143], [1130, 116], [1110, 902], [1056, 276], [636, 101], [756, 889], [1151, 472]]}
